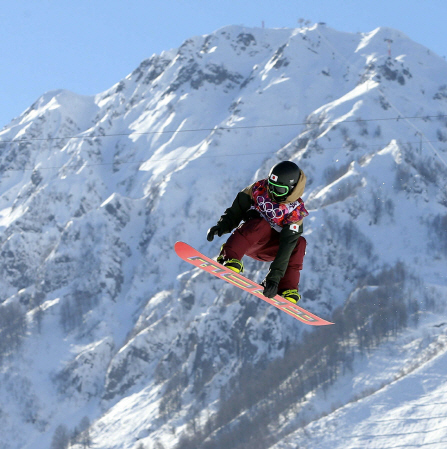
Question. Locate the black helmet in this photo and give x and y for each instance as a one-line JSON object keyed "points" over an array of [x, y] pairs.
{"points": [[283, 178]]}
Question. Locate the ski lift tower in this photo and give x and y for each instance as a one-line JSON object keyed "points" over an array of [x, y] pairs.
{"points": [[389, 42]]}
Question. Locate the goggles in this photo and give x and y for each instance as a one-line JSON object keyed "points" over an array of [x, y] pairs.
{"points": [[278, 189]]}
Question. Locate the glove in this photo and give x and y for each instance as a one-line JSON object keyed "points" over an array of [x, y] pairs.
{"points": [[270, 288], [215, 230]]}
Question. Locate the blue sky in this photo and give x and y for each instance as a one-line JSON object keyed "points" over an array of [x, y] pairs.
{"points": [[88, 45]]}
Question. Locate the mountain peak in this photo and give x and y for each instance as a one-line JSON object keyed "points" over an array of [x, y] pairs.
{"points": [[95, 191]]}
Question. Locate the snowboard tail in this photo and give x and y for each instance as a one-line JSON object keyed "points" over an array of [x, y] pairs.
{"points": [[194, 257]]}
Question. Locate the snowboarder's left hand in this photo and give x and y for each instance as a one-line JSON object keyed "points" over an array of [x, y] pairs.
{"points": [[270, 288], [215, 230]]}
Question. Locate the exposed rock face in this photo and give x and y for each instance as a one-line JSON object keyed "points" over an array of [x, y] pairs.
{"points": [[95, 191]]}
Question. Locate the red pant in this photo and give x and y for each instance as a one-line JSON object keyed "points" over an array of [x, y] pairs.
{"points": [[258, 240]]}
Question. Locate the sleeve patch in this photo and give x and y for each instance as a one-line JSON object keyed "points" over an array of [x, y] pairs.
{"points": [[295, 227]]}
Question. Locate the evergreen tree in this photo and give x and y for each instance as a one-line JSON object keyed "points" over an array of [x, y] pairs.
{"points": [[60, 438]]}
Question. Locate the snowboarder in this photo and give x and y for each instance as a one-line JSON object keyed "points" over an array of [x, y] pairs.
{"points": [[272, 213]]}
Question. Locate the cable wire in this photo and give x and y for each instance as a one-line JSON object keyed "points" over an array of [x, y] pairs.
{"points": [[170, 159], [221, 128]]}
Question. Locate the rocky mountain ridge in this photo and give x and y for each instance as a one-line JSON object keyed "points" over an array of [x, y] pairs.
{"points": [[102, 320]]}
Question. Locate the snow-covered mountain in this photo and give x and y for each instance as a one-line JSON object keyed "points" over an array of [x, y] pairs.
{"points": [[107, 337]]}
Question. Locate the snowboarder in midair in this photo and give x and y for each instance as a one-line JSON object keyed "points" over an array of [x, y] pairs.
{"points": [[272, 213]]}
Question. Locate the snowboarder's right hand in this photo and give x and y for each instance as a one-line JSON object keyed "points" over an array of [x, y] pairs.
{"points": [[215, 230], [270, 288]]}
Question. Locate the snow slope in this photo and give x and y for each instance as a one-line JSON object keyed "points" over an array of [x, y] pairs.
{"points": [[405, 406], [95, 191]]}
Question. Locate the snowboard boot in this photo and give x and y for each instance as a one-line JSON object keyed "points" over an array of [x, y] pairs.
{"points": [[220, 257], [235, 265], [291, 295]]}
